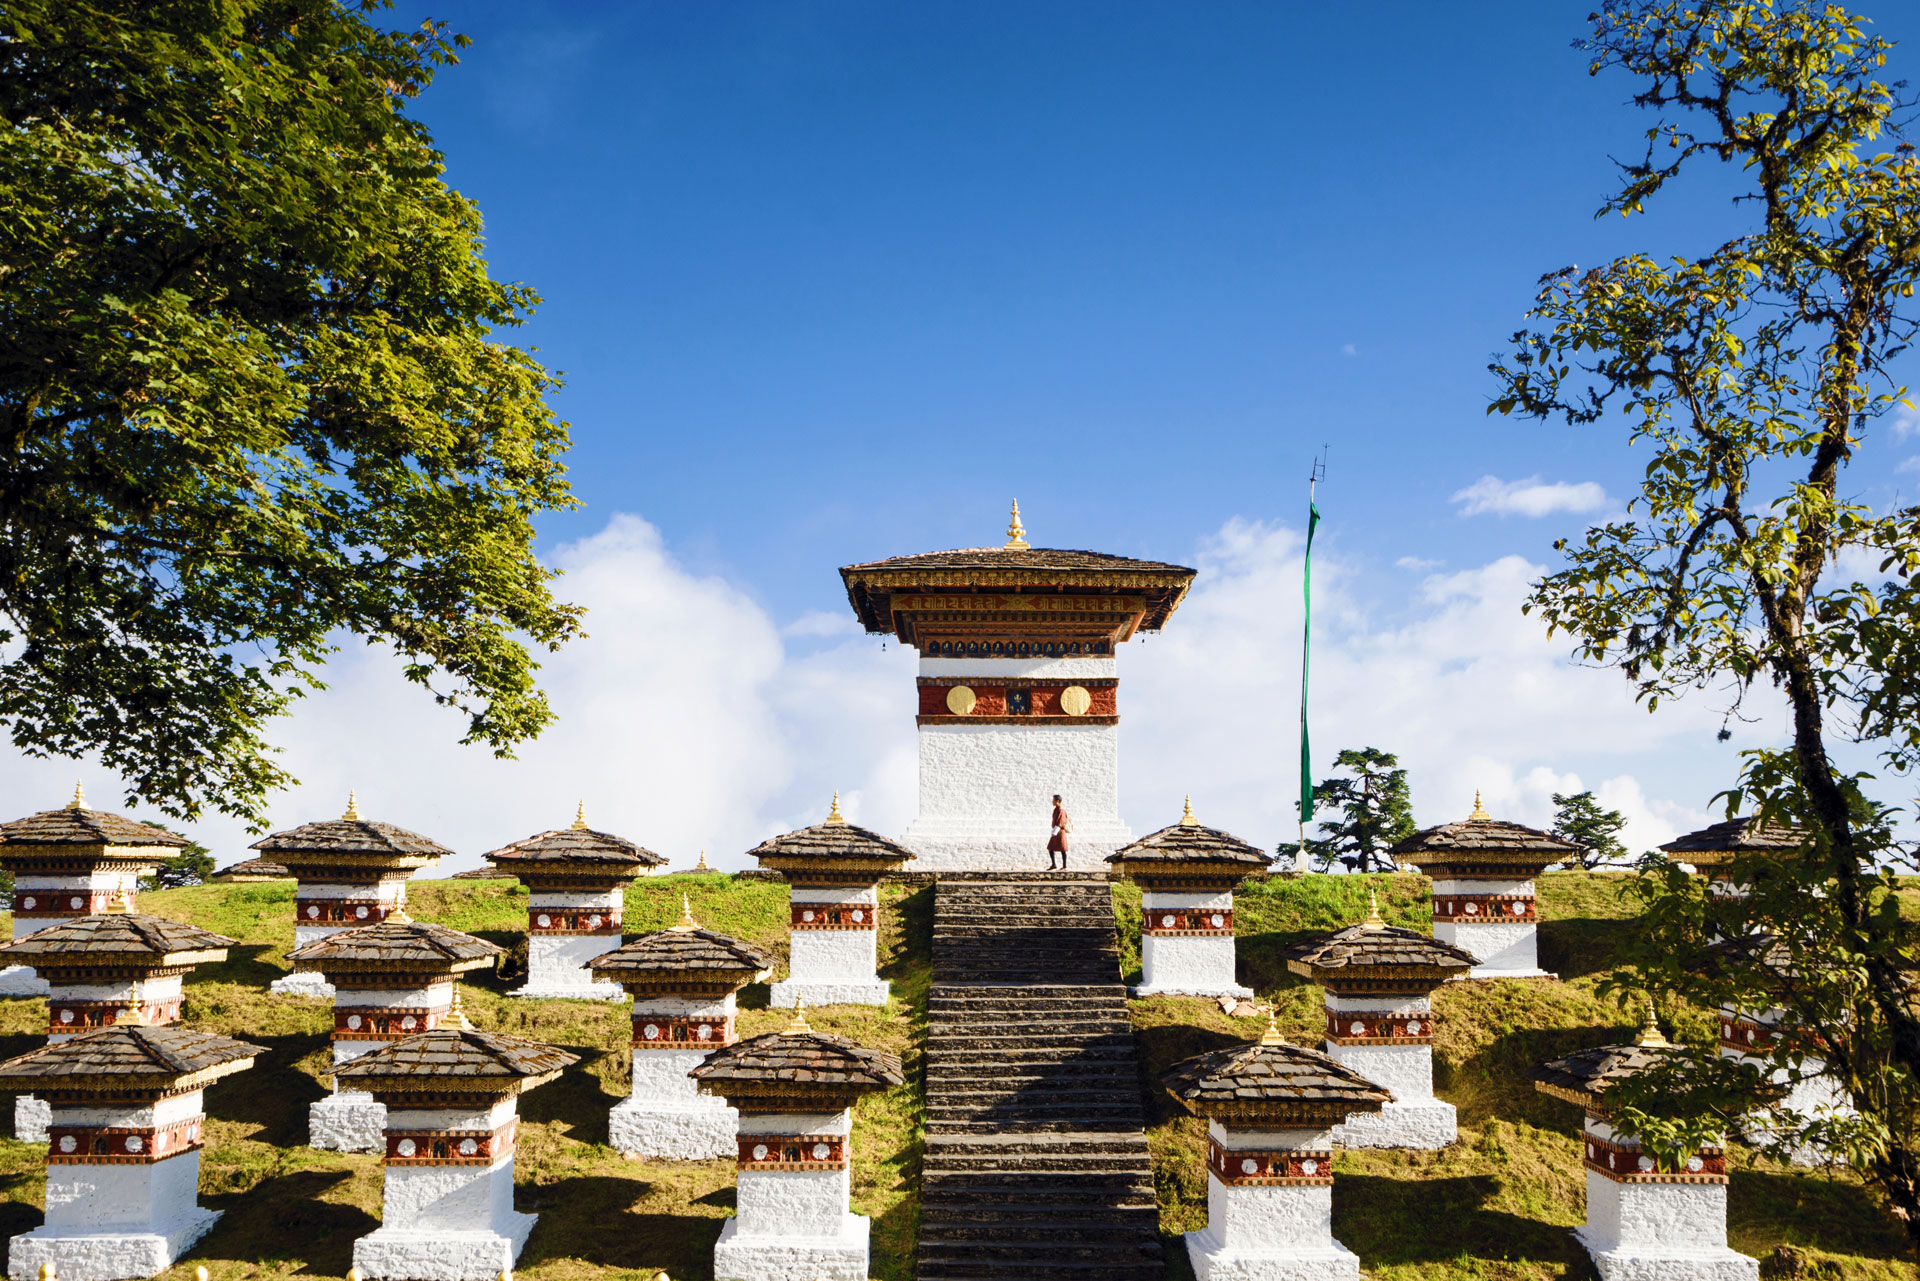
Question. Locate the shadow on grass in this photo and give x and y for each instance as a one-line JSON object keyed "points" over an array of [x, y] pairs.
{"points": [[1579, 946], [16, 1218], [593, 1220], [1406, 1221], [1162, 1047], [285, 1217], [245, 965], [1827, 1214], [280, 1110], [576, 1103], [1495, 1083], [1261, 961]]}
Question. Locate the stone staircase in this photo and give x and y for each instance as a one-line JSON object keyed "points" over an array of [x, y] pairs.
{"points": [[1036, 1159]]}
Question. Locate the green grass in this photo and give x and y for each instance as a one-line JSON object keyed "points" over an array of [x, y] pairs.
{"points": [[293, 1211]]}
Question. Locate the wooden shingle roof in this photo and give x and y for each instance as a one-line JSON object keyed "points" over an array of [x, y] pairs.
{"points": [[396, 943], [1584, 1077], [1194, 842], [80, 826], [834, 842], [254, 869], [1272, 1082], [797, 1070], [1734, 835], [871, 585], [693, 955], [351, 836], [1377, 947], [104, 938], [574, 845], [129, 1056], [456, 1060], [1477, 835]]}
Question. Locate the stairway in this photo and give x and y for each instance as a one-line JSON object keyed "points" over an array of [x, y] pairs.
{"points": [[1036, 1159]]}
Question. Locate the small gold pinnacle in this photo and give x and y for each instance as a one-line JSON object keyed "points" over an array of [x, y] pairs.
{"points": [[1016, 532], [701, 866], [686, 916], [1650, 1036], [1272, 1035], [1187, 819], [398, 915], [1479, 810], [353, 805], [79, 803], [48, 1272], [833, 814], [457, 1015], [200, 1273], [799, 1023], [580, 817], [1374, 920], [121, 901]]}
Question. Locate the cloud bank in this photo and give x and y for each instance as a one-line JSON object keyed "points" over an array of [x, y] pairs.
{"points": [[1491, 496]]}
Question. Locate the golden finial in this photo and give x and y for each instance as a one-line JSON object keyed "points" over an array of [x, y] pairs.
{"points": [[686, 916], [799, 1023], [506, 1274], [1187, 819], [580, 817], [49, 1273], [1272, 1035], [1650, 1036], [1374, 920], [353, 806], [200, 1273], [79, 802], [1016, 532], [354, 1274], [1479, 810], [121, 901], [833, 813], [457, 1014], [398, 915], [701, 866]]}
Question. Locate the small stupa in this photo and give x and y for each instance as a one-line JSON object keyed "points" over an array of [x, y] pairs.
{"points": [[1187, 874]]}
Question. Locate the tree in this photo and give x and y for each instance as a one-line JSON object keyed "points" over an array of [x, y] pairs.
{"points": [[1753, 374], [1580, 819], [250, 399], [191, 866], [1373, 808]]}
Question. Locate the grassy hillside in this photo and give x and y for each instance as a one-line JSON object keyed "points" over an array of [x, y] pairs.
{"points": [[1499, 1203], [291, 1210]]}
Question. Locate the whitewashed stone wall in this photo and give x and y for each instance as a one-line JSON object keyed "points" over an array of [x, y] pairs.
{"points": [[832, 967], [793, 1224], [1264, 1233], [1187, 965], [667, 1116]]}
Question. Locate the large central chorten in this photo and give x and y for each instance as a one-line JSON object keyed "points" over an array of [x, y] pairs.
{"points": [[1018, 696]]}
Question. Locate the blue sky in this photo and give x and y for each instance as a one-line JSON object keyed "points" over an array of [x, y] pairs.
{"points": [[832, 282]]}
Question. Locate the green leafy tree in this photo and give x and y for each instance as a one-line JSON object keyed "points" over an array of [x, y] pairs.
{"points": [[1753, 374], [1596, 831], [191, 866], [1373, 808], [251, 397]]}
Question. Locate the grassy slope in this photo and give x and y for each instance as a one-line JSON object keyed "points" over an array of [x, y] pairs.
{"points": [[291, 1210], [1499, 1203]]}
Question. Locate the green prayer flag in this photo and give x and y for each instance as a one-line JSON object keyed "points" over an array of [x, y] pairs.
{"points": [[1306, 647]]}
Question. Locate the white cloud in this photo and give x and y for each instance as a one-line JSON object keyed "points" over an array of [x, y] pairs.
{"points": [[1529, 497], [1418, 564], [823, 622], [1909, 464], [1348, 349]]}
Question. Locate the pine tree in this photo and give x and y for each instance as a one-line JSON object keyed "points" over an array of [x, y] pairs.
{"points": [[1374, 812], [1580, 819]]}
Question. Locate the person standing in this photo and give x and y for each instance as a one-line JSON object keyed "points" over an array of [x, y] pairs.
{"points": [[1057, 841]]}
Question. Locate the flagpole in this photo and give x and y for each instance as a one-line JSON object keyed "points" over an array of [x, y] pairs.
{"points": [[1306, 649]]}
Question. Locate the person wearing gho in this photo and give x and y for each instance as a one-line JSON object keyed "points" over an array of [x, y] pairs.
{"points": [[111, 967], [123, 1157], [69, 863], [1187, 874], [450, 1098], [392, 980], [351, 872], [683, 981], [1270, 1109], [795, 1091], [1644, 1223], [576, 879], [833, 872], [1379, 981], [1059, 825]]}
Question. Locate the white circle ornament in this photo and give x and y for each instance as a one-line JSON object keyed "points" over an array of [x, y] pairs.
{"points": [[1413, 1027], [1166, 922], [1694, 1165], [409, 1023], [353, 1022], [858, 915], [160, 1142], [406, 1147], [1646, 1164], [135, 1143], [29, 902], [651, 1031], [821, 1151], [1518, 909], [313, 913], [1249, 1166], [66, 1016], [543, 920], [468, 1147], [1219, 921], [759, 1151], [704, 1032], [807, 915], [593, 922], [1473, 909], [67, 1144], [1749, 1036], [360, 913], [1309, 1166], [79, 902]]}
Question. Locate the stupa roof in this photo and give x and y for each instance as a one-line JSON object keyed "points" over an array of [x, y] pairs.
{"points": [[456, 1060], [254, 869], [1585, 1076], [576, 844], [834, 843], [351, 839], [76, 824], [1482, 840], [397, 943], [684, 954], [129, 1056], [1272, 1081], [798, 1069], [1191, 842], [1371, 948], [1721, 842], [126, 938]]}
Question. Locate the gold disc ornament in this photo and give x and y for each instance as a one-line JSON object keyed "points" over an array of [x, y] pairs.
{"points": [[960, 700], [1074, 700]]}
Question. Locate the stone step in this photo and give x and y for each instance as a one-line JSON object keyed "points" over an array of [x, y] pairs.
{"points": [[1043, 1248]]}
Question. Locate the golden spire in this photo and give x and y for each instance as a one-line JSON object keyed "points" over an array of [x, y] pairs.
{"points": [[799, 1023], [1479, 810], [398, 915], [1374, 920], [1650, 1036], [833, 813], [457, 1015], [121, 901], [1016, 532], [1272, 1035], [200, 1273], [353, 806], [79, 802], [1187, 819], [701, 866], [48, 1272], [686, 916], [580, 817]]}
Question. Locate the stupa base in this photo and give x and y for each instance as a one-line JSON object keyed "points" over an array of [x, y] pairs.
{"points": [[347, 1122], [429, 1254], [1488, 972], [107, 1256], [302, 985], [31, 1117], [835, 1258], [1195, 989], [1667, 1263], [828, 993], [20, 980], [572, 991], [1213, 1261], [1428, 1124], [689, 1133]]}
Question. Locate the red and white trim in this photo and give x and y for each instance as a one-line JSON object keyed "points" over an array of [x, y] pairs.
{"points": [[1269, 1167], [793, 1152], [121, 1145]]}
